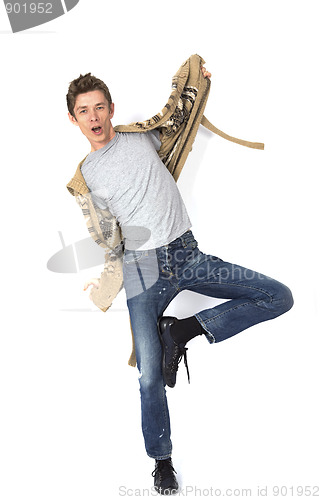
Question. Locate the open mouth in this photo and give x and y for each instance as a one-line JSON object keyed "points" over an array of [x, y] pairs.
{"points": [[97, 130]]}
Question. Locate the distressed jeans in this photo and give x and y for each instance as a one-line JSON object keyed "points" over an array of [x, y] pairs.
{"points": [[152, 278]]}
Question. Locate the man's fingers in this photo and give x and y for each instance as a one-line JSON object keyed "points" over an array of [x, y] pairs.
{"points": [[206, 73], [94, 282]]}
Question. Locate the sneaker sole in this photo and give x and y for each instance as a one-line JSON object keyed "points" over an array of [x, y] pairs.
{"points": [[163, 357]]}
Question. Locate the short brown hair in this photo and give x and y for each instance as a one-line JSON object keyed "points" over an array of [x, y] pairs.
{"points": [[83, 84]]}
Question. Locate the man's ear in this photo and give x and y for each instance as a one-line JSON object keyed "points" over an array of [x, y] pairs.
{"points": [[72, 119], [111, 110]]}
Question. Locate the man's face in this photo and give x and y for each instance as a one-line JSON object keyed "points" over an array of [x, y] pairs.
{"points": [[92, 116]]}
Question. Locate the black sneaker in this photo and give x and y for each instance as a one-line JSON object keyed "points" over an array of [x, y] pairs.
{"points": [[165, 481], [172, 352]]}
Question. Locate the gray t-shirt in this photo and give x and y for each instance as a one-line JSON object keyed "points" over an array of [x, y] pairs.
{"points": [[127, 177]]}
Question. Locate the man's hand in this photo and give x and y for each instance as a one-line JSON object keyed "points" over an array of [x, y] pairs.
{"points": [[206, 73], [92, 281]]}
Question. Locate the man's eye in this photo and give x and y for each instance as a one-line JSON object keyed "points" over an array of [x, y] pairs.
{"points": [[83, 111], [100, 107]]}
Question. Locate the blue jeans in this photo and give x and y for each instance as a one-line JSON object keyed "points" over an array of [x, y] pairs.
{"points": [[152, 278]]}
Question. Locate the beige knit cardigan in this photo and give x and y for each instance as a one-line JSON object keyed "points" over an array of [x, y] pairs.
{"points": [[178, 123]]}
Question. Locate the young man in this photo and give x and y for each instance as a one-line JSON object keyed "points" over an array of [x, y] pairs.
{"points": [[125, 175]]}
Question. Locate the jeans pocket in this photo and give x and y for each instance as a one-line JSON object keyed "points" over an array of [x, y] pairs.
{"points": [[190, 243]]}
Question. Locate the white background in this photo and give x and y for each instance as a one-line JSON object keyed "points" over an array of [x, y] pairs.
{"points": [[70, 407]]}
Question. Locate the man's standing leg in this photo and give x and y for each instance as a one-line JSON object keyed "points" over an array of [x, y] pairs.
{"points": [[146, 294]]}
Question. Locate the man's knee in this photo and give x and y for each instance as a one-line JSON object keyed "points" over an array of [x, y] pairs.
{"points": [[283, 300], [150, 378], [277, 298]]}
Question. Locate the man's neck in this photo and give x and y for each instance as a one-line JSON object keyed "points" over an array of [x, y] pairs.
{"points": [[95, 146]]}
